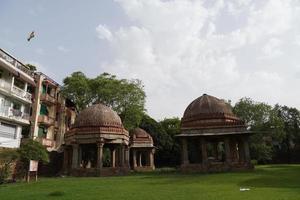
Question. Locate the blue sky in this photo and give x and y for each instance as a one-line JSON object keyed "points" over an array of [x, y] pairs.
{"points": [[180, 49], [66, 38]]}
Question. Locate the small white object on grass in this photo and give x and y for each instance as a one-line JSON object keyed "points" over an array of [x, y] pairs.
{"points": [[244, 189]]}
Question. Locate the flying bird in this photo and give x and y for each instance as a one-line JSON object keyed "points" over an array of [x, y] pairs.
{"points": [[31, 35]]}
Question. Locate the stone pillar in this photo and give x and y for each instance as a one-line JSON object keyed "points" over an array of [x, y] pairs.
{"points": [[227, 150], [25, 86], [233, 150], [122, 153], [126, 156], [75, 148], [80, 156], [113, 156], [100, 155], [134, 158], [184, 152], [66, 158], [246, 149], [151, 158], [140, 159], [241, 151], [203, 145]]}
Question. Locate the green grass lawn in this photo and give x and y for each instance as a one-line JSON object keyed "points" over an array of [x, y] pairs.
{"points": [[266, 182]]}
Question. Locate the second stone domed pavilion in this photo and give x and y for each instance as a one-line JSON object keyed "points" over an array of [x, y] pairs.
{"points": [[97, 144], [212, 137], [142, 150]]}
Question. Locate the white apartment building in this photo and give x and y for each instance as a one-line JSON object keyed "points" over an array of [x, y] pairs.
{"points": [[16, 93]]}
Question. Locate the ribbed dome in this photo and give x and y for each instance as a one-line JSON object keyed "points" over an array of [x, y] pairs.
{"points": [[206, 104], [139, 133], [98, 115]]}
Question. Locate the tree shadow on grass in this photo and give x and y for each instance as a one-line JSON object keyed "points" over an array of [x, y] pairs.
{"points": [[56, 194]]}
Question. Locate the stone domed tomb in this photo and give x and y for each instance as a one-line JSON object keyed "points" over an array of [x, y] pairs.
{"points": [[142, 150], [212, 137], [97, 144]]}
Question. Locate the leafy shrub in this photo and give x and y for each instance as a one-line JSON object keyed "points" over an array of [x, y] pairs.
{"points": [[7, 159]]}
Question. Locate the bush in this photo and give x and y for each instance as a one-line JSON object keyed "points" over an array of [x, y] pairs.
{"points": [[7, 159], [31, 150]]}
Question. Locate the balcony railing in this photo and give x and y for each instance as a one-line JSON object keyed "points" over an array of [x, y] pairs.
{"points": [[21, 93], [14, 114], [44, 119], [4, 55], [48, 99], [6, 86]]}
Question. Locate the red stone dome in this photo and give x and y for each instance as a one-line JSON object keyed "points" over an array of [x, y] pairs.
{"points": [[205, 105], [208, 111], [98, 115], [139, 135]]}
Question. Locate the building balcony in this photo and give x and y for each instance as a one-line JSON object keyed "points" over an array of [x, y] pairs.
{"points": [[47, 99], [21, 93], [46, 142], [46, 120], [15, 63], [14, 115], [15, 91]]}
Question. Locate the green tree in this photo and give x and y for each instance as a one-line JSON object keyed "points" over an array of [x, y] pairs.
{"points": [[163, 134], [33, 150], [77, 88], [265, 124], [172, 128], [126, 97], [288, 149], [31, 67]]}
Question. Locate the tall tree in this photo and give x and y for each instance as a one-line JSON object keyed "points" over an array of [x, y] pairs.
{"points": [[161, 139], [289, 148], [266, 125], [172, 128], [163, 134], [126, 97], [77, 88]]}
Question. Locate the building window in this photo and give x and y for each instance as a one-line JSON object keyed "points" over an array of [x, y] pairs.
{"points": [[56, 116], [18, 83], [8, 131], [44, 89], [16, 106], [42, 133], [44, 110], [30, 89], [55, 136]]}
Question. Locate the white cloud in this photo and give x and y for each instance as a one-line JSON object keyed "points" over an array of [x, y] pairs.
{"points": [[179, 50], [272, 48], [103, 32], [63, 49]]}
